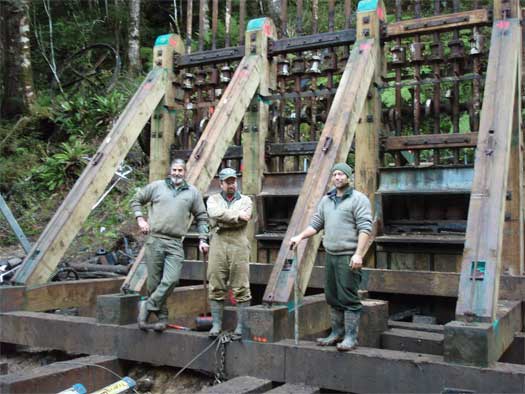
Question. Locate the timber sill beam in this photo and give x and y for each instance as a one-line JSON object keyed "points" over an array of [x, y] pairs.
{"points": [[482, 256], [439, 23], [429, 141], [42, 260], [334, 145]]}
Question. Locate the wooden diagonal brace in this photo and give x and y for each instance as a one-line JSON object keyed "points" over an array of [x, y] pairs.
{"points": [[46, 253], [334, 145], [482, 256]]}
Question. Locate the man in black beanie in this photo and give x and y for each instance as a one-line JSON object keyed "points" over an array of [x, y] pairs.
{"points": [[346, 217]]}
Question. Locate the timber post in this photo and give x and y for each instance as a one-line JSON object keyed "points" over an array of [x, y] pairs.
{"points": [[370, 16], [163, 119], [255, 130]]}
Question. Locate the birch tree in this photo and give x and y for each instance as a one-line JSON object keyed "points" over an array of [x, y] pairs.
{"points": [[134, 65], [19, 94]]}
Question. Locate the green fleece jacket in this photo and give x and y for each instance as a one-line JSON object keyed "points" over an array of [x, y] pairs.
{"points": [[342, 220], [170, 208]]}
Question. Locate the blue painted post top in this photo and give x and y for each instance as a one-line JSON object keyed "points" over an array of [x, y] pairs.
{"points": [[166, 39], [367, 5], [255, 24]]}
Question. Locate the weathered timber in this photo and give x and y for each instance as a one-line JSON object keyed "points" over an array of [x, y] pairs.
{"points": [[482, 343], [429, 141], [438, 23], [412, 341], [513, 252], [334, 145], [240, 385], [479, 284], [290, 388], [163, 119], [255, 125], [515, 354], [504, 9], [117, 308], [367, 131], [429, 283], [280, 362], [60, 376], [403, 325], [214, 141], [46, 253]]}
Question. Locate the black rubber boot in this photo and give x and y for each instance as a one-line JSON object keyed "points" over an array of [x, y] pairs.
{"points": [[338, 329]]}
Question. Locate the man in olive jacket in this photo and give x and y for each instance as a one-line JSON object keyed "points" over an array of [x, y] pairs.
{"points": [[345, 216], [229, 213], [172, 202]]}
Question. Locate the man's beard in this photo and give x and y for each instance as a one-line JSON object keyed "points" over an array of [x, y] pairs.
{"points": [[177, 180]]}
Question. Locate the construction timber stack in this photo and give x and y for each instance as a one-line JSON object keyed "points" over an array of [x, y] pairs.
{"points": [[423, 97]]}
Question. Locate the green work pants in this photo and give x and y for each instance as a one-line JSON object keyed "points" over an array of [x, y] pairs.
{"points": [[229, 265], [341, 283], [164, 258]]}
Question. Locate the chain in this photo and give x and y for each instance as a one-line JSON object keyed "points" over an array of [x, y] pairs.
{"points": [[220, 362]]}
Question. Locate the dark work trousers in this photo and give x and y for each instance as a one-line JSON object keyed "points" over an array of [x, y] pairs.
{"points": [[341, 283]]}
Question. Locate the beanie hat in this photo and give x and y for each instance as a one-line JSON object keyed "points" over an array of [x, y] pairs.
{"points": [[344, 168]]}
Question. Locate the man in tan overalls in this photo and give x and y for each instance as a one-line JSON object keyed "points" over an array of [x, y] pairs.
{"points": [[229, 212]]}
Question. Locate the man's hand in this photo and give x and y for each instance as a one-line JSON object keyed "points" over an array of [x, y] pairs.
{"points": [[244, 216], [294, 241], [203, 246], [356, 261], [143, 225]]}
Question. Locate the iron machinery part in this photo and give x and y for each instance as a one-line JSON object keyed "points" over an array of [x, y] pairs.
{"points": [[65, 274], [96, 66]]}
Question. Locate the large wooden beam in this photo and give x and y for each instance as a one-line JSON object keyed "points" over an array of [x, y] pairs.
{"points": [[481, 266], [439, 23], [163, 119], [280, 362], [334, 145], [256, 124], [367, 132], [215, 140], [46, 253]]}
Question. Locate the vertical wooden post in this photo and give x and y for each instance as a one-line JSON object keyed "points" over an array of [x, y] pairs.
{"points": [[163, 119], [513, 252], [369, 16], [256, 120]]}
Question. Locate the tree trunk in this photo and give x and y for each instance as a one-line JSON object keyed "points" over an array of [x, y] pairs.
{"points": [[134, 65], [19, 92]]}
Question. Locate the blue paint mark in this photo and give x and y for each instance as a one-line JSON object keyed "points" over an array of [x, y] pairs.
{"points": [[255, 24], [495, 326], [367, 5], [162, 40]]}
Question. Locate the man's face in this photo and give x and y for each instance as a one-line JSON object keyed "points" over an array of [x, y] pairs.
{"points": [[340, 180], [177, 173], [229, 186]]}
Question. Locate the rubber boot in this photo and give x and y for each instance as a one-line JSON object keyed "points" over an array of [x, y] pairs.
{"points": [[143, 316], [352, 329], [338, 329], [162, 323], [217, 310], [240, 330]]}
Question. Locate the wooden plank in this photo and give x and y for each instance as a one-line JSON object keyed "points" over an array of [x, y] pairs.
{"points": [[429, 141], [163, 119], [481, 265], [256, 128], [214, 141], [334, 145], [438, 23], [46, 253], [239, 385], [369, 125], [412, 341], [513, 234], [504, 9], [78, 293]]}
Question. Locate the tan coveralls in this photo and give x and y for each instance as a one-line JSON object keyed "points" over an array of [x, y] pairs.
{"points": [[229, 247]]}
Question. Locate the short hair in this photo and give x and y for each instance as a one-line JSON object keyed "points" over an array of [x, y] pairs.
{"points": [[179, 162]]}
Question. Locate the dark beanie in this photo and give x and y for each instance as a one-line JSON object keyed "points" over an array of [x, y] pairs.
{"points": [[343, 167]]}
